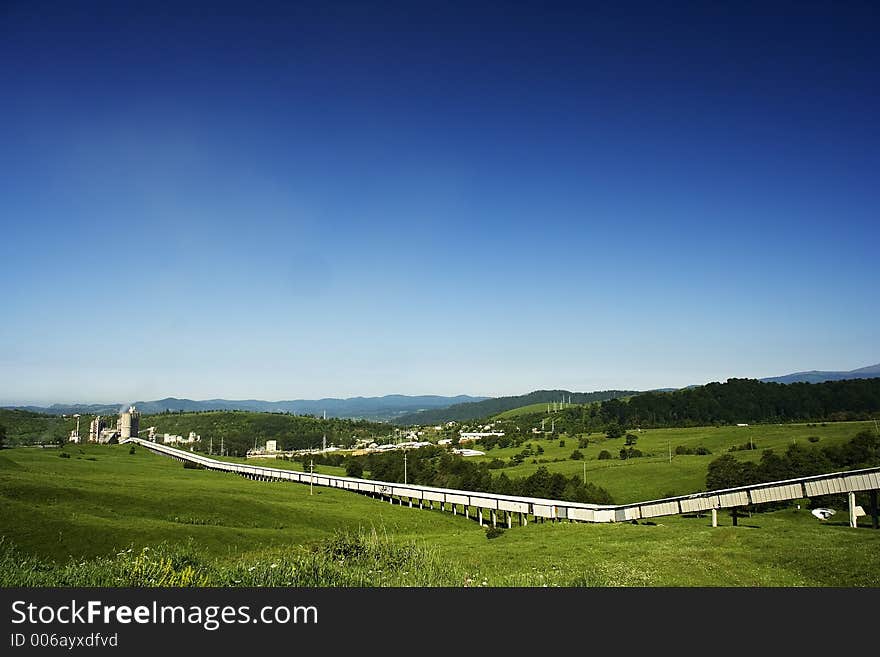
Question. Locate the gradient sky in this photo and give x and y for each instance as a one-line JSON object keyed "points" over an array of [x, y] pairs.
{"points": [[297, 200]]}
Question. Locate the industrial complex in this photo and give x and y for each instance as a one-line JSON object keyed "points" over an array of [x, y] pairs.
{"points": [[127, 426]]}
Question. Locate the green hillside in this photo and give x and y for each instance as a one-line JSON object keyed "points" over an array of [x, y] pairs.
{"points": [[654, 475], [530, 409], [108, 517], [492, 407], [28, 428]]}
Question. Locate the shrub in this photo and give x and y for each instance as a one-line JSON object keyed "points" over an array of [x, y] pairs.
{"points": [[631, 453], [813, 439], [576, 455], [583, 443], [188, 465], [494, 532], [702, 451], [64, 455], [354, 468], [613, 431], [604, 455], [131, 450], [562, 443]]}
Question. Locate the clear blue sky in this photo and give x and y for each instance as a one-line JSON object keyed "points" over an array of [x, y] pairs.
{"points": [[298, 200]]}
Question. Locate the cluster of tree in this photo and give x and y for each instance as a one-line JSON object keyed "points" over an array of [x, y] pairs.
{"points": [[511, 438], [630, 453], [683, 449], [746, 400], [435, 466], [862, 451]]}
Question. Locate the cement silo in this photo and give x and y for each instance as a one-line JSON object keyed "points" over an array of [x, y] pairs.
{"points": [[129, 422]]}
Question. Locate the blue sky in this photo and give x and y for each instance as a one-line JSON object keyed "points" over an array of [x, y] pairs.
{"points": [[279, 200]]}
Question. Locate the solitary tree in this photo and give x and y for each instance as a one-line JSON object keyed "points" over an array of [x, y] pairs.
{"points": [[354, 468], [613, 431]]}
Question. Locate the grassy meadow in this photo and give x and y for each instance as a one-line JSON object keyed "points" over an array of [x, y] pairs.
{"points": [[654, 475], [108, 517]]}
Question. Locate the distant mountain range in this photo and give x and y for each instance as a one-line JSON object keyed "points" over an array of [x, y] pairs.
{"points": [[404, 409], [816, 376], [369, 408]]}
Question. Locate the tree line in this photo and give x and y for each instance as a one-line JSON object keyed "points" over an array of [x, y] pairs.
{"points": [[438, 467], [747, 401], [799, 460]]}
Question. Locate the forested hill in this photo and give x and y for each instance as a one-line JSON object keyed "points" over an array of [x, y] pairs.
{"points": [[239, 430], [747, 401], [490, 407]]}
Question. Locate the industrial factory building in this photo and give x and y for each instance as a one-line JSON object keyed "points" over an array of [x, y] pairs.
{"points": [[126, 427]]}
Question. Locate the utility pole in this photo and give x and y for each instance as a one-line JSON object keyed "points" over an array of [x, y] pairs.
{"points": [[585, 472], [669, 445], [211, 445], [221, 445], [312, 477], [404, 466]]}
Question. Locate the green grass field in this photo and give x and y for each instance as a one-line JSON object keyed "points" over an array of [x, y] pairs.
{"points": [[653, 475], [104, 501]]}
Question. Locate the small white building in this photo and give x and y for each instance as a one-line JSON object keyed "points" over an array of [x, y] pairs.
{"points": [[466, 436], [271, 445]]}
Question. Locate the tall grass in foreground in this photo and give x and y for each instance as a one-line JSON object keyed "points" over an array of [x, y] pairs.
{"points": [[347, 559]]}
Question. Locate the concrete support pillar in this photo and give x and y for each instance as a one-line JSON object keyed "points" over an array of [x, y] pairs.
{"points": [[467, 511], [480, 514], [410, 503], [391, 499], [523, 519], [509, 519], [714, 517], [420, 503], [455, 509], [443, 506], [494, 518], [432, 505], [853, 521], [875, 516]]}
